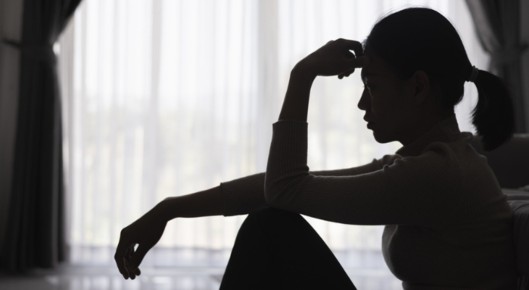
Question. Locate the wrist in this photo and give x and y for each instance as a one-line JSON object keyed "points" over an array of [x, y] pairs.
{"points": [[303, 72], [296, 103], [161, 210]]}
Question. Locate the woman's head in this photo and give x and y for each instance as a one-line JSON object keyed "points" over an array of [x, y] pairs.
{"points": [[421, 66]]}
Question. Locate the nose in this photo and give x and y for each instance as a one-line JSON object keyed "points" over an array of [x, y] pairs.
{"points": [[363, 104]]}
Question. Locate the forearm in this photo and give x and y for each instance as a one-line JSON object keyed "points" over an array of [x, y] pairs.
{"points": [[203, 203], [242, 196], [296, 103]]}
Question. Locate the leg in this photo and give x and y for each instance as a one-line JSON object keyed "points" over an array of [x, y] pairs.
{"points": [[276, 249]]}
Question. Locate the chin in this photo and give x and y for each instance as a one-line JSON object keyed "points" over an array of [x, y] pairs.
{"points": [[382, 139]]}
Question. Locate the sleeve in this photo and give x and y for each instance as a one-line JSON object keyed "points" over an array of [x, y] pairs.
{"points": [[245, 195], [410, 191]]}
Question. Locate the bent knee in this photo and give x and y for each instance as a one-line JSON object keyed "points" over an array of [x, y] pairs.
{"points": [[271, 214], [272, 211]]}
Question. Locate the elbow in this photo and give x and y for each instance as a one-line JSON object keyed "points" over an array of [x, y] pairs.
{"points": [[281, 191], [269, 200], [274, 191], [270, 193]]}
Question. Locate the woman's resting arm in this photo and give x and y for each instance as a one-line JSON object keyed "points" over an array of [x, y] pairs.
{"points": [[245, 195]]}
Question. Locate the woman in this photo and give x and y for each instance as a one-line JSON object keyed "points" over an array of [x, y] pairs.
{"points": [[447, 223]]}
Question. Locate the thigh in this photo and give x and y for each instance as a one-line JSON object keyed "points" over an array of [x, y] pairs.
{"points": [[291, 252]]}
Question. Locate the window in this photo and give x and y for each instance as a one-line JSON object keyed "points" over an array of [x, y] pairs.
{"points": [[165, 98]]}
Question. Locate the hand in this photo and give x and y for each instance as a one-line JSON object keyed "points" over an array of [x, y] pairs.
{"points": [[146, 232], [334, 58]]}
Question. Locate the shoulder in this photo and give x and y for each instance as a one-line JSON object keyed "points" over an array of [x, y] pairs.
{"points": [[439, 161], [387, 159], [437, 165]]}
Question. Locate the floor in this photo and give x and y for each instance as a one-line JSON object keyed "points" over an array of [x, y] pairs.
{"points": [[108, 278]]}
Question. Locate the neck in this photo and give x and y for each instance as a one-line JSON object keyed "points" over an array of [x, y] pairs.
{"points": [[423, 125]]}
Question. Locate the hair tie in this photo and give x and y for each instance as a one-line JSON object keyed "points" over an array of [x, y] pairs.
{"points": [[473, 75]]}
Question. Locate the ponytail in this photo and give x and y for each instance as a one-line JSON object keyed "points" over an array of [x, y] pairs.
{"points": [[494, 114]]}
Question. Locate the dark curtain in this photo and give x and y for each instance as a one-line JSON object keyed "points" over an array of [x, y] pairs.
{"points": [[498, 24], [35, 235]]}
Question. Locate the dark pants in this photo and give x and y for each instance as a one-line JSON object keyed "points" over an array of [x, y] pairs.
{"points": [[277, 249]]}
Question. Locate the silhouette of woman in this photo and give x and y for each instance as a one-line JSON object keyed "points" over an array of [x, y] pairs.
{"points": [[447, 223]]}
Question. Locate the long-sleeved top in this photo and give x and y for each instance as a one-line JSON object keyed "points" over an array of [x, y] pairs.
{"points": [[447, 223]]}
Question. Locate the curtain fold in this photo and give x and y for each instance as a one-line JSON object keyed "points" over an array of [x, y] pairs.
{"points": [[35, 235], [10, 28], [498, 28]]}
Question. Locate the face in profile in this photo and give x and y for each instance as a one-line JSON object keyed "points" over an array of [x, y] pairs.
{"points": [[382, 100], [390, 104]]}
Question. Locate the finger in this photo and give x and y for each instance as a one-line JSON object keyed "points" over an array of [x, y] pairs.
{"points": [[347, 72], [131, 269], [119, 256], [138, 256], [348, 54], [361, 61], [354, 46], [125, 263], [130, 251]]}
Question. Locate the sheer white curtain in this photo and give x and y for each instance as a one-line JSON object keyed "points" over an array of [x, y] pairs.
{"points": [[166, 98]]}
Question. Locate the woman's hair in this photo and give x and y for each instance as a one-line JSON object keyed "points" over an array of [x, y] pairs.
{"points": [[422, 39]]}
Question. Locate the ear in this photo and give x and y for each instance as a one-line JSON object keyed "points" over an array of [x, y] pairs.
{"points": [[421, 83]]}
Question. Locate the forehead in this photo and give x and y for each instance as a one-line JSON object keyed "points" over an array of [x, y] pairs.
{"points": [[376, 66]]}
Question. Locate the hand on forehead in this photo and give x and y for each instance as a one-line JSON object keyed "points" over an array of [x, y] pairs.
{"points": [[363, 61]]}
